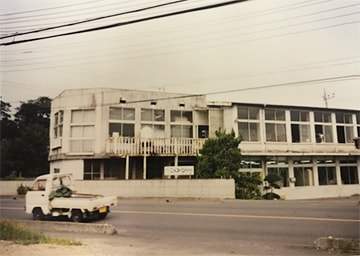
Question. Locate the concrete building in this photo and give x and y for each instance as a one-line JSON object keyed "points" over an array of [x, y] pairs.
{"points": [[312, 149], [125, 134], [102, 134]]}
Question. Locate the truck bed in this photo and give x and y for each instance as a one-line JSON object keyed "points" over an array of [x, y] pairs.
{"points": [[82, 201]]}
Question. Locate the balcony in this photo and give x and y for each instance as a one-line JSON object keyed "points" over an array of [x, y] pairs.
{"points": [[131, 146]]}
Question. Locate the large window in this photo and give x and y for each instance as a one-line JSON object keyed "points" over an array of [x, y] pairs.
{"points": [[58, 124], [82, 131], [152, 123], [348, 171], [275, 125], [323, 127], [303, 172], [344, 127], [326, 172], [181, 124], [300, 126], [92, 169], [122, 121], [248, 123], [279, 166]]}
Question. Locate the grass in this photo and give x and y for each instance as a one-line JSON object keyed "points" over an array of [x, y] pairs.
{"points": [[17, 233]]}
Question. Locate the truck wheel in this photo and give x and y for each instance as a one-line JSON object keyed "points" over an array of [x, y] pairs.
{"points": [[102, 215], [38, 214], [76, 215]]}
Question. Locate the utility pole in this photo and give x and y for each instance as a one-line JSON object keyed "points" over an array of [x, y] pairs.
{"points": [[326, 97]]}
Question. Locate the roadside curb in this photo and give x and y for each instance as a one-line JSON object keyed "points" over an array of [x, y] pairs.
{"points": [[341, 244], [107, 229]]}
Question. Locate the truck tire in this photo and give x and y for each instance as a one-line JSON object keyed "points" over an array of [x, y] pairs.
{"points": [[102, 215], [38, 214], [76, 215]]}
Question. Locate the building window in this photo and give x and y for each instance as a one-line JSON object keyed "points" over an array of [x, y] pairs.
{"points": [[152, 123], [300, 126], [181, 124], [153, 115], [348, 171], [248, 123], [326, 172], [279, 167], [122, 121], [344, 127], [323, 127], [303, 172], [58, 125], [275, 125], [92, 169], [82, 131]]}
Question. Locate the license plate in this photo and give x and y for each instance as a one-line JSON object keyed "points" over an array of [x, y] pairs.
{"points": [[102, 209]]}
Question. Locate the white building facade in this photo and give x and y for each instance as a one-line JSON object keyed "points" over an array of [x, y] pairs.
{"points": [[100, 134], [312, 149], [125, 134]]}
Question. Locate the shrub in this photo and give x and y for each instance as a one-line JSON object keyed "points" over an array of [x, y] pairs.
{"points": [[22, 190]]}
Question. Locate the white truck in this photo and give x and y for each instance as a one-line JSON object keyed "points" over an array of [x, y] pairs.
{"points": [[54, 195]]}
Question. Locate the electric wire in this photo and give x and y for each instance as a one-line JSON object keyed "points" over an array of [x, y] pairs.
{"points": [[95, 19]]}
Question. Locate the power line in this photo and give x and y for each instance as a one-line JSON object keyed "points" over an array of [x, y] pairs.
{"points": [[94, 19], [47, 9], [229, 43], [196, 9], [231, 19], [286, 7]]}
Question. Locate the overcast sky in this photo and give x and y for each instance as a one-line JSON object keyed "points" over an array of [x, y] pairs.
{"points": [[260, 51]]}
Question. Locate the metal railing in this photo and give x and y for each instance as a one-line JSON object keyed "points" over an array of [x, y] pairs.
{"points": [[123, 146]]}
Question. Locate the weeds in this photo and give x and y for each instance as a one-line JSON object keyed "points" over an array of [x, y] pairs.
{"points": [[11, 231]]}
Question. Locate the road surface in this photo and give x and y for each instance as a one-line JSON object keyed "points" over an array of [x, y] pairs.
{"points": [[228, 227]]}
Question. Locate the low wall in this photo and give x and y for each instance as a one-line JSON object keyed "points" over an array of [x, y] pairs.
{"points": [[312, 192], [196, 188]]}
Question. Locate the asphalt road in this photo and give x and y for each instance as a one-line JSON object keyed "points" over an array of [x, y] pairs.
{"points": [[230, 227]]}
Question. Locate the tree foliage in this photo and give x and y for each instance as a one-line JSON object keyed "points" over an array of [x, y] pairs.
{"points": [[25, 138], [220, 157]]}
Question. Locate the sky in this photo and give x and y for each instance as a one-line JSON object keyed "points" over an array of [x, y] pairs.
{"points": [[281, 52]]}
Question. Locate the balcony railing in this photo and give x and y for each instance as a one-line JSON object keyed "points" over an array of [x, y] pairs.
{"points": [[122, 146]]}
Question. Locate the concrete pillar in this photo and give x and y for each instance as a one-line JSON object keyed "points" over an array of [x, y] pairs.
{"points": [[291, 172], [176, 163], [127, 168], [338, 173], [102, 170], [316, 173], [144, 168]]}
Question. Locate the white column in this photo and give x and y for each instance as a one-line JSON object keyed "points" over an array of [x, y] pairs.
{"points": [[127, 168], [102, 170], [176, 164], [144, 168], [338, 173], [316, 173]]}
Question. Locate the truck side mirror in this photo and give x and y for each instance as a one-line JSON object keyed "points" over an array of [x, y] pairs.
{"points": [[357, 142]]}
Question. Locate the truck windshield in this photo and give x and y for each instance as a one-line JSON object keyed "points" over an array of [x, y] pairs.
{"points": [[39, 185]]}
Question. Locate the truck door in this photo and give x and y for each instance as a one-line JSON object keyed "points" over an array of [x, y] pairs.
{"points": [[38, 197]]}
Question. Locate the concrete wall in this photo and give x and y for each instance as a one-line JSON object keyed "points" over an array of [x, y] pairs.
{"points": [[209, 188], [214, 188], [311, 192]]}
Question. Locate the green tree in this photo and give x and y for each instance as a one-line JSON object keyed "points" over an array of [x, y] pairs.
{"points": [[220, 157], [8, 126], [26, 153]]}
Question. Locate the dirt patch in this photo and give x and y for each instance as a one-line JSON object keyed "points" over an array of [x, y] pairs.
{"points": [[12, 249]]}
